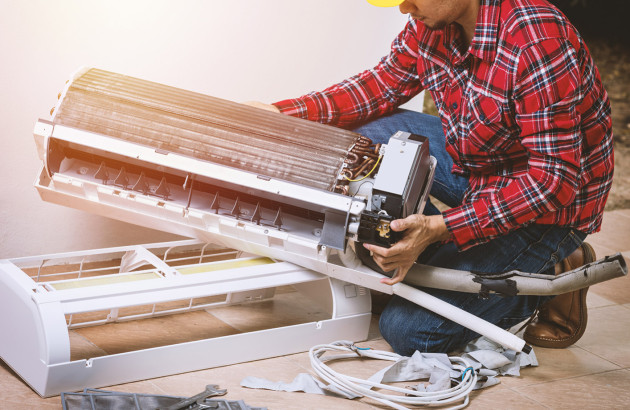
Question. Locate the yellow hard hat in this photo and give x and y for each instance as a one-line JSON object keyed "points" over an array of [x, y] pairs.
{"points": [[385, 3]]}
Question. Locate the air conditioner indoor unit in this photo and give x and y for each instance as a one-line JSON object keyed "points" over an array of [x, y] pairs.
{"points": [[277, 206]]}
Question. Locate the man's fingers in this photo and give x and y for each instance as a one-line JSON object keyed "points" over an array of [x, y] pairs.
{"points": [[388, 259], [379, 250], [398, 276], [386, 266], [390, 263], [261, 105], [397, 249], [398, 225], [403, 224], [391, 281]]}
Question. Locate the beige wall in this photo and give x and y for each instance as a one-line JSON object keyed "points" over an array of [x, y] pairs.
{"points": [[239, 50]]}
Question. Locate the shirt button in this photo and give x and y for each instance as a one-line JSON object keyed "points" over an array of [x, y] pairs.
{"points": [[454, 106]]}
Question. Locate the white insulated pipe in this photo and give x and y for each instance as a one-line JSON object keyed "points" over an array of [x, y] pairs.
{"points": [[607, 268], [457, 315]]}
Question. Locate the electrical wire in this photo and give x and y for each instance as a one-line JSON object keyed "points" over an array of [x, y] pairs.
{"points": [[359, 387], [368, 174]]}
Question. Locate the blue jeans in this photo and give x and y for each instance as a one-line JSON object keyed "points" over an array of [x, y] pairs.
{"points": [[534, 248]]}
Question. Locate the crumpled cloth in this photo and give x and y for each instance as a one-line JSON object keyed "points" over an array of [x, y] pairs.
{"points": [[490, 359], [303, 382], [487, 358]]}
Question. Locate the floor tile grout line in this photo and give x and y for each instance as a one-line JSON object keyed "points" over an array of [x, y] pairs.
{"points": [[603, 306], [20, 404], [621, 366], [161, 390], [88, 341], [515, 388], [240, 331], [527, 397]]}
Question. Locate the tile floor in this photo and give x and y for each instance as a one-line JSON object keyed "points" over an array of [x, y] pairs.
{"points": [[594, 373]]}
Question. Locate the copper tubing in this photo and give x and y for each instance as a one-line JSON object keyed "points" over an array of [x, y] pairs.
{"points": [[362, 156], [342, 189], [352, 158], [365, 165], [359, 165], [370, 154], [364, 141]]}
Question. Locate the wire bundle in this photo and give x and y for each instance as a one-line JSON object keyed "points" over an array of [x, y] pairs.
{"points": [[360, 387]]}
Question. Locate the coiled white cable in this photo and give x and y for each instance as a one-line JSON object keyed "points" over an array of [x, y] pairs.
{"points": [[359, 387]]}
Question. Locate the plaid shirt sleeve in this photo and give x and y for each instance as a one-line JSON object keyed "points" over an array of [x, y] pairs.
{"points": [[369, 94], [547, 93]]}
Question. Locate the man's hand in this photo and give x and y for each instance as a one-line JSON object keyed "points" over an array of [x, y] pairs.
{"points": [[261, 105], [419, 232]]}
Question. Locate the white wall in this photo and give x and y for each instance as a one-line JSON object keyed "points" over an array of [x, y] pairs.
{"points": [[239, 50]]}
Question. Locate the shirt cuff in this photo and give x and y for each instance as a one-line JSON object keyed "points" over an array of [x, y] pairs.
{"points": [[295, 107], [463, 223]]}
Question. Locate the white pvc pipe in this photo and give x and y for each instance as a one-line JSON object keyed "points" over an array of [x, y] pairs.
{"points": [[461, 317]]}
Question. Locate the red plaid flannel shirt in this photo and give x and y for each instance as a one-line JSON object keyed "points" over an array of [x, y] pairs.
{"points": [[524, 112]]}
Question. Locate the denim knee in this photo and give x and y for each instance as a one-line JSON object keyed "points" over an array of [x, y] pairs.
{"points": [[408, 327], [405, 339], [394, 332]]}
